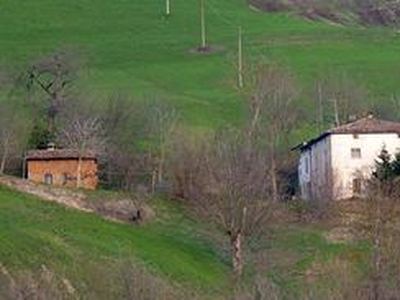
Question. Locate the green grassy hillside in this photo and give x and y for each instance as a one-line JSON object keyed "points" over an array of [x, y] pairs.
{"points": [[131, 46], [92, 253]]}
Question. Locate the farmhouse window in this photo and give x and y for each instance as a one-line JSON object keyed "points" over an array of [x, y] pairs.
{"points": [[355, 153], [64, 178], [48, 178]]}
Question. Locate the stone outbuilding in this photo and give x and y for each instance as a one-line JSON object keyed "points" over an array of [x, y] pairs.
{"points": [[62, 167]]}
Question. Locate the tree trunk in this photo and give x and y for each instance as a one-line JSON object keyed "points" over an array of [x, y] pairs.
{"points": [[336, 112], [4, 156], [377, 248], [79, 173], [160, 168], [153, 181], [50, 124], [237, 253], [3, 162], [273, 174]]}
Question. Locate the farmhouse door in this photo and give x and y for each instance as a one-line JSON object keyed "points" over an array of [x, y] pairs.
{"points": [[48, 178]]}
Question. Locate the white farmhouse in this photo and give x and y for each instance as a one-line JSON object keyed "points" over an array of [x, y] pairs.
{"points": [[333, 165]]}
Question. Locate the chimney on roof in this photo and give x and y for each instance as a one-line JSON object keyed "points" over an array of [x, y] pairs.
{"points": [[51, 146]]}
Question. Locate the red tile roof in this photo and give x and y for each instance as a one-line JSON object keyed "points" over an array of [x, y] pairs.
{"points": [[365, 125]]}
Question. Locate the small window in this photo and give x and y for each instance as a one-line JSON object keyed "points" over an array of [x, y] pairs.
{"points": [[356, 186], [355, 136], [48, 178], [355, 153]]}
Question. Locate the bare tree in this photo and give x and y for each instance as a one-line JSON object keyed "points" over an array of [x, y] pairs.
{"points": [[228, 186], [140, 284], [82, 130], [130, 125], [43, 284], [339, 99], [14, 129], [52, 75], [382, 208], [272, 114], [162, 122], [184, 150]]}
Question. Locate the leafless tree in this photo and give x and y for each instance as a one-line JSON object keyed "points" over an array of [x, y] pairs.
{"points": [[129, 156], [82, 129], [184, 149], [42, 284], [273, 114], [14, 129], [228, 186], [339, 99], [382, 210], [375, 217], [163, 119], [141, 284], [52, 75]]}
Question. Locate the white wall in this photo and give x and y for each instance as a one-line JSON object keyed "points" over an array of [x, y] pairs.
{"points": [[345, 168], [331, 168]]}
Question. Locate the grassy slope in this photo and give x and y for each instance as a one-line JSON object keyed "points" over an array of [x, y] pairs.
{"points": [[90, 251], [132, 47], [77, 244]]}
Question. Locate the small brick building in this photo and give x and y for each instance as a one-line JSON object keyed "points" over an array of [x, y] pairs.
{"points": [[61, 167]]}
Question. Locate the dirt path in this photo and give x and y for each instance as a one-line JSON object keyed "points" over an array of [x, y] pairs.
{"points": [[118, 210], [72, 199]]}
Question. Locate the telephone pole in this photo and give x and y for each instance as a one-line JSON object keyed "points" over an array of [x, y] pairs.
{"points": [[167, 7], [203, 25]]}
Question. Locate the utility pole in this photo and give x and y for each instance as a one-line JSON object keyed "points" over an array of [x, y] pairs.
{"points": [[320, 108], [240, 58], [336, 111], [167, 7], [202, 25]]}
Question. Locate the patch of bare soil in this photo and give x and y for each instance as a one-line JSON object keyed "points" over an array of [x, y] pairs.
{"points": [[125, 210], [72, 199], [347, 222], [117, 210], [207, 49], [341, 235]]}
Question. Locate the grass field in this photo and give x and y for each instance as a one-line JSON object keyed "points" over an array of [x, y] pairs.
{"points": [[79, 245], [130, 46], [91, 252]]}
